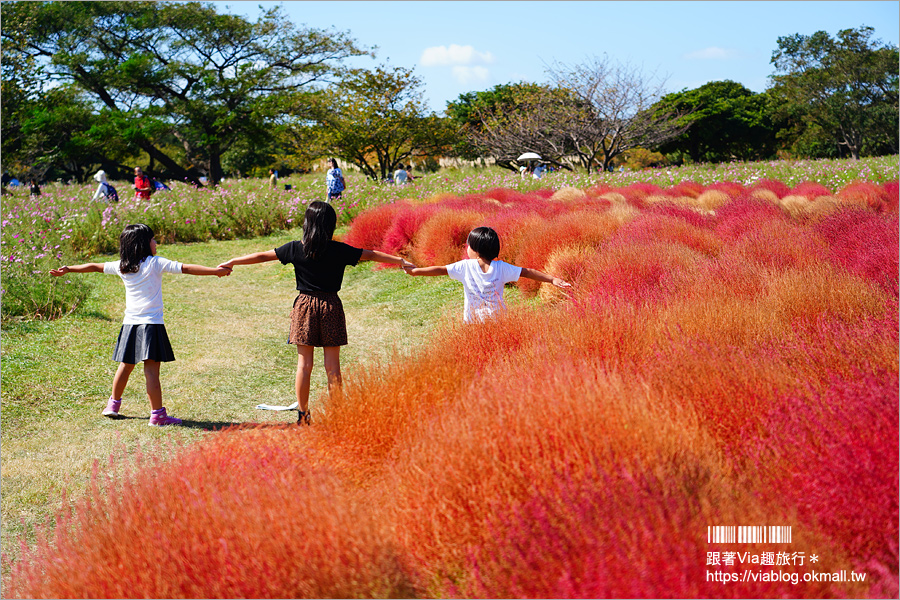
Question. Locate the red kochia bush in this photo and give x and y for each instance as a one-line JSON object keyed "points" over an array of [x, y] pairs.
{"points": [[865, 244], [778, 188], [368, 228], [892, 195], [442, 239], [690, 189], [810, 189], [865, 194], [835, 459], [244, 514], [732, 189], [400, 236], [577, 540]]}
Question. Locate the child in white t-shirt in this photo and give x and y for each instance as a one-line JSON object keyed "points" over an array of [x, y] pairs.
{"points": [[143, 336], [483, 277]]}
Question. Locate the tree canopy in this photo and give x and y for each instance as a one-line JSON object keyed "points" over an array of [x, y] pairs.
{"points": [[725, 121], [845, 88], [184, 82], [377, 120]]}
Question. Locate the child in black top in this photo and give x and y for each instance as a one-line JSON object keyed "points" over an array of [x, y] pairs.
{"points": [[317, 319]]}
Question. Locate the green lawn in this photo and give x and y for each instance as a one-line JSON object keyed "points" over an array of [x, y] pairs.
{"points": [[229, 337]]}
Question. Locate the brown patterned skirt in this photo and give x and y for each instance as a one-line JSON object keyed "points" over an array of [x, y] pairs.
{"points": [[317, 319]]}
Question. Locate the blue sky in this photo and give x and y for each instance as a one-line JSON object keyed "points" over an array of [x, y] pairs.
{"points": [[463, 46]]}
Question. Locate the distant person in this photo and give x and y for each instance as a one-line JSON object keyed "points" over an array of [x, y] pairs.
{"points": [[409, 175], [273, 178], [334, 181], [317, 319], [104, 188], [143, 187], [143, 336], [539, 171], [35, 188], [400, 176], [483, 277]]}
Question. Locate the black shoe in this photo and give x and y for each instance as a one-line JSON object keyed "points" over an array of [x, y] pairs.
{"points": [[304, 418]]}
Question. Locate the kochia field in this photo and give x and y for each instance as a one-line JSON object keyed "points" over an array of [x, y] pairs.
{"points": [[726, 357]]}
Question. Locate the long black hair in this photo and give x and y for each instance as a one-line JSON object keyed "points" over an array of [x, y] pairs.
{"points": [[318, 227], [134, 247]]}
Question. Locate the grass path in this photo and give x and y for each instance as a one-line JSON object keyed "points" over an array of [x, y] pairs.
{"points": [[229, 337]]}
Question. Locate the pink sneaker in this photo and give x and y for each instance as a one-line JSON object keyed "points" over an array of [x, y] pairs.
{"points": [[112, 409], [161, 419]]}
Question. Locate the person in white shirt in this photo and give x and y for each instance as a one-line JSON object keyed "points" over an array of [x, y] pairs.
{"points": [[483, 277], [143, 336], [104, 189], [400, 176]]}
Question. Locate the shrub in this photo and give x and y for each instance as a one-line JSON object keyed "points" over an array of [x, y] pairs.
{"points": [[852, 496], [778, 188], [233, 516], [865, 244], [863, 194], [442, 239], [369, 229], [810, 190]]}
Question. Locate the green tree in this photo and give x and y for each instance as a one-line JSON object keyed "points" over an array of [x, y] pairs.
{"points": [[725, 121], [179, 71], [845, 88], [377, 119]]}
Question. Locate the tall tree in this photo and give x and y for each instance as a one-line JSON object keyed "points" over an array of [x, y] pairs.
{"points": [[618, 115], [846, 86], [179, 69], [511, 119], [725, 121], [377, 119]]}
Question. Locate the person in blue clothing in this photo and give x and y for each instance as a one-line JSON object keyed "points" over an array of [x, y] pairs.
{"points": [[334, 181]]}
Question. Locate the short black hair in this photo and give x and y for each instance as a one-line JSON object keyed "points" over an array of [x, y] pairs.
{"points": [[485, 242]]}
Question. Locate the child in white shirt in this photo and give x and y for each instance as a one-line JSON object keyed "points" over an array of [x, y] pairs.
{"points": [[143, 337], [483, 277]]}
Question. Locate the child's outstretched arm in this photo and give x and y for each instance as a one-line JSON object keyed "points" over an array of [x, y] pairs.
{"points": [[250, 259], [85, 268], [385, 258], [219, 271], [427, 271], [544, 278]]}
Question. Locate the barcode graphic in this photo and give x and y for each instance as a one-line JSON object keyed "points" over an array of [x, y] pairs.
{"points": [[748, 534]]}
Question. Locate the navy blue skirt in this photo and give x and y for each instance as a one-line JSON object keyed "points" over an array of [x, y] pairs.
{"points": [[138, 343]]}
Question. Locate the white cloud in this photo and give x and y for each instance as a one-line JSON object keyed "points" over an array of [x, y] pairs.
{"points": [[454, 55], [711, 53], [468, 75]]}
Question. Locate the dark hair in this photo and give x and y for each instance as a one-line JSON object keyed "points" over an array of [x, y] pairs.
{"points": [[318, 227], [134, 247], [333, 162], [485, 242]]}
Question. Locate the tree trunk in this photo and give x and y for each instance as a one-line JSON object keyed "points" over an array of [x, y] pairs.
{"points": [[215, 165]]}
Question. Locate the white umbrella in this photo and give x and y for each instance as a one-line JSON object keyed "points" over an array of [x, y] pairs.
{"points": [[530, 156]]}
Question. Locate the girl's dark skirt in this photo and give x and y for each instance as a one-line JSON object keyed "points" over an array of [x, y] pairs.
{"points": [[317, 319], [138, 343]]}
